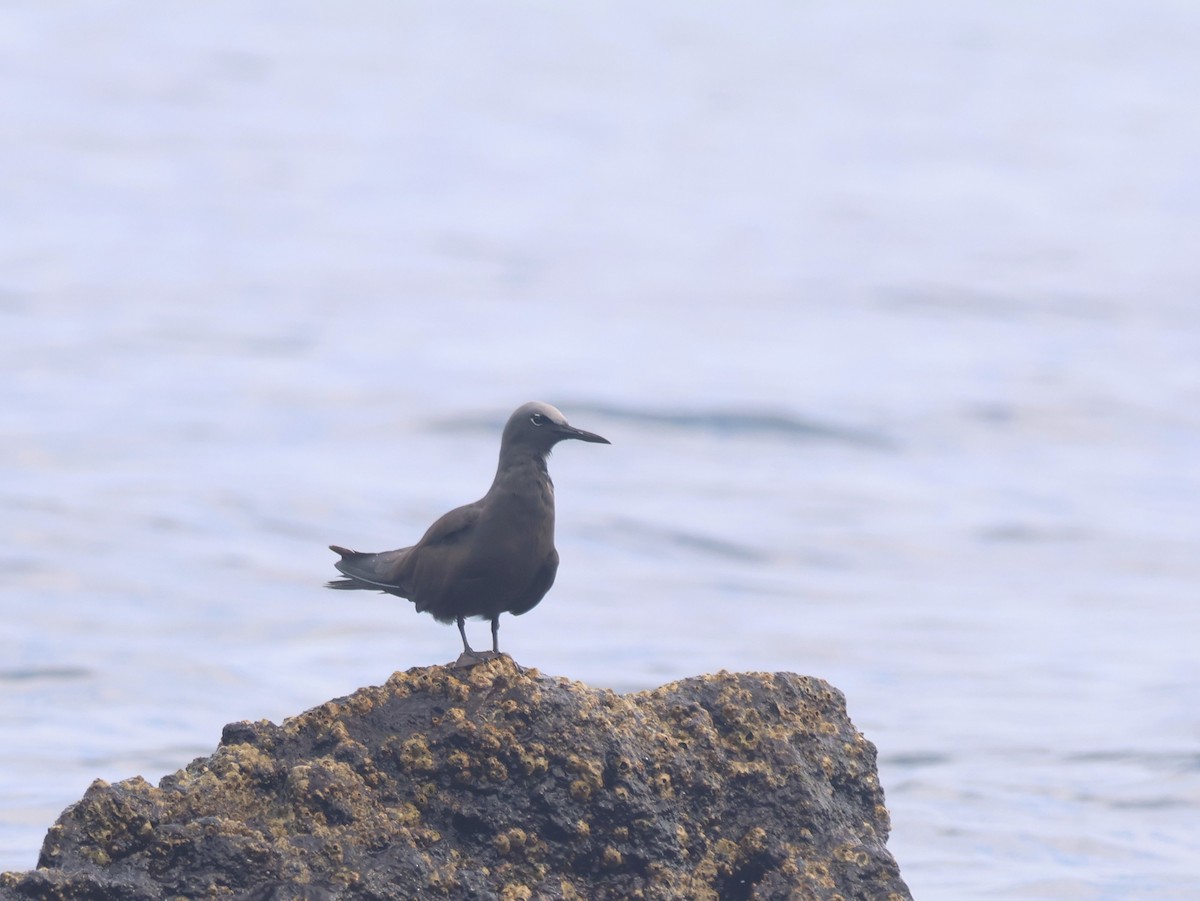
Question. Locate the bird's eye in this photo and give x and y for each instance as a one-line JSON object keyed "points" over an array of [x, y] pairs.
{"points": [[537, 419]]}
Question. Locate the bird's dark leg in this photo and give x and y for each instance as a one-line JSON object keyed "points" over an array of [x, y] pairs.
{"points": [[496, 634], [470, 657], [462, 630]]}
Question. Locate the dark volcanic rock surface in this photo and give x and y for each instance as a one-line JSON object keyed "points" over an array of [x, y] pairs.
{"points": [[498, 783]]}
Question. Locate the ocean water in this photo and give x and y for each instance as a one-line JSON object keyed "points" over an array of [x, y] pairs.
{"points": [[891, 313]]}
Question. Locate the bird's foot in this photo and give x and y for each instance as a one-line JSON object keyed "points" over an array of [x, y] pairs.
{"points": [[468, 659]]}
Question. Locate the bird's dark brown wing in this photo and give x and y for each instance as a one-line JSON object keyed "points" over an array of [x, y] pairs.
{"points": [[538, 588], [452, 526]]}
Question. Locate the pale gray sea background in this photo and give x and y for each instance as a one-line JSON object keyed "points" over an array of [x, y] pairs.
{"points": [[890, 310]]}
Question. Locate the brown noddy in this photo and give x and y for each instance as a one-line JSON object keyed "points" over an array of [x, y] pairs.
{"points": [[494, 556]]}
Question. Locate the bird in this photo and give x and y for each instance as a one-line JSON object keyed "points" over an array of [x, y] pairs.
{"points": [[486, 558]]}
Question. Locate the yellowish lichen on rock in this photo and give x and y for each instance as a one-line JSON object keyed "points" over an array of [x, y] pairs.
{"points": [[406, 814], [415, 755], [532, 759], [611, 858], [494, 770], [581, 790]]}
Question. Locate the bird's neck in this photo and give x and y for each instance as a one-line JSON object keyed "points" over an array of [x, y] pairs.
{"points": [[523, 468]]}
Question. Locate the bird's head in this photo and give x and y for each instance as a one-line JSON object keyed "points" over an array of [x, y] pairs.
{"points": [[539, 427]]}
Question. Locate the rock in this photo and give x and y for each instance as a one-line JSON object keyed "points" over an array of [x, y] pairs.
{"points": [[498, 783]]}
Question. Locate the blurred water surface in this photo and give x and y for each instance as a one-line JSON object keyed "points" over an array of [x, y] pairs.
{"points": [[890, 313]]}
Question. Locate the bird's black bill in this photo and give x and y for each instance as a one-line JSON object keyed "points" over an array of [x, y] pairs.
{"points": [[569, 431]]}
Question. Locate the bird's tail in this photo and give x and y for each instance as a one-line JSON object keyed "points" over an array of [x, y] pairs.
{"points": [[345, 584], [369, 572]]}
